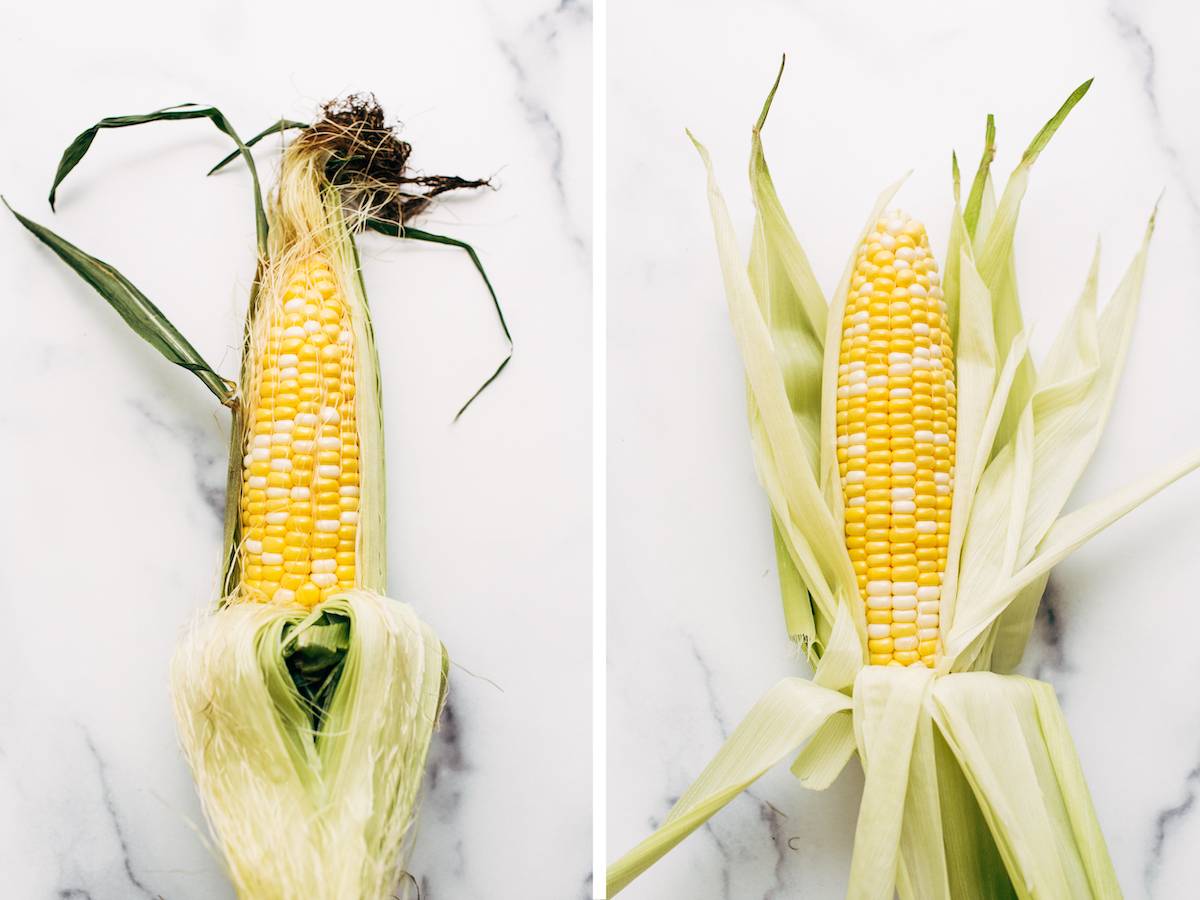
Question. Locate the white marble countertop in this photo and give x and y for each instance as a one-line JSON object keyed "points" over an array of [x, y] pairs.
{"points": [[695, 627], [111, 528]]}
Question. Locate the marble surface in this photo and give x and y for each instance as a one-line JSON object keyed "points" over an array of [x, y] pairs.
{"points": [[111, 527], [695, 629]]}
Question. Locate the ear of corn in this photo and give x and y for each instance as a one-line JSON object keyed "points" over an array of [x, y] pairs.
{"points": [[940, 481], [895, 437], [306, 699]]}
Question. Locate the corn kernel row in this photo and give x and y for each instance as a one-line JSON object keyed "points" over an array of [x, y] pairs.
{"points": [[895, 439], [300, 489]]}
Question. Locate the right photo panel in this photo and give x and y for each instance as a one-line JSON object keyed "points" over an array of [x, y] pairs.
{"points": [[902, 316]]}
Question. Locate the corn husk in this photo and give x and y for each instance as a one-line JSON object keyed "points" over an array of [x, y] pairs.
{"points": [[306, 730], [973, 787]]}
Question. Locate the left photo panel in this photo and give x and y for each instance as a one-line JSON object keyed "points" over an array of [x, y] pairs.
{"points": [[297, 533]]}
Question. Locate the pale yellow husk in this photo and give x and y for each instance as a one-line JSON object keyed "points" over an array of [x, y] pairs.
{"points": [[973, 787]]}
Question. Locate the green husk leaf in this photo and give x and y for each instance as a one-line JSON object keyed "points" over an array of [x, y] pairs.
{"points": [[1076, 391], [787, 716], [146, 319], [824, 757], [1011, 742], [923, 872], [798, 615], [973, 862], [975, 198], [887, 707], [79, 148], [1066, 535], [393, 229], [998, 269], [280, 127], [293, 806], [805, 509]]}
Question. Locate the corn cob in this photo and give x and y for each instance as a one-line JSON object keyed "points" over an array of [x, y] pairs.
{"points": [[895, 439], [300, 490]]}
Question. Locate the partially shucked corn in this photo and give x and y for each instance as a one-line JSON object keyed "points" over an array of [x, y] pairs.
{"points": [[895, 439], [300, 482]]}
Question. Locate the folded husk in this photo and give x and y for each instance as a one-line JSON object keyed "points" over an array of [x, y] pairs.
{"points": [[973, 787]]}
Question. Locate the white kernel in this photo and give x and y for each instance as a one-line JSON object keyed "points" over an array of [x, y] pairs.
{"points": [[272, 559], [927, 634], [303, 446], [856, 365], [904, 615], [843, 391], [905, 643], [260, 453], [324, 565], [295, 331], [281, 465], [903, 507], [256, 482], [897, 393], [289, 373], [929, 592], [926, 527], [330, 416], [294, 305], [283, 595], [328, 525], [916, 290], [900, 369], [274, 493], [311, 326], [308, 419], [856, 390], [301, 493], [941, 440], [879, 602], [941, 477], [349, 518], [904, 601], [262, 440], [329, 443], [877, 381], [856, 476], [284, 425], [920, 328], [923, 436], [329, 471], [288, 359], [879, 588], [279, 517], [906, 588], [856, 450], [904, 468], [903, 493], [249, 458], [323, 579], [281, 437], [927, 621], [345, 337], [894, 358], [878, 631], [943, 490], [253, 546], [348, 490], [857, 501], [928, 607]]}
